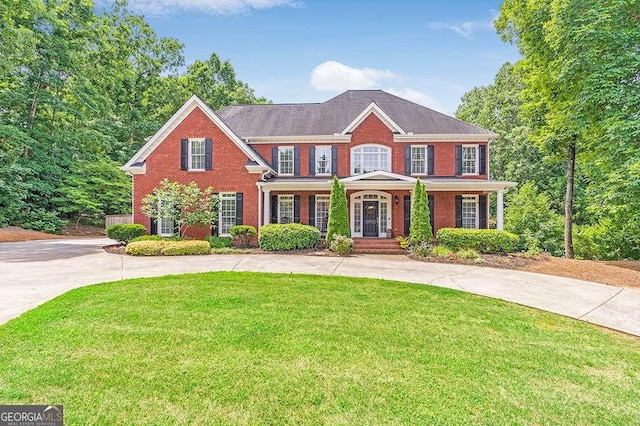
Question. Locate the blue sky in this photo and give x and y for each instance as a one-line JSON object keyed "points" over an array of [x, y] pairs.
{"points": [[430, 52]]}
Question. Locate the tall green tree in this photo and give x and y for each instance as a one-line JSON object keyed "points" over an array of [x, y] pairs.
{"points": [[580, 71], [420, 228], [338, 221]]}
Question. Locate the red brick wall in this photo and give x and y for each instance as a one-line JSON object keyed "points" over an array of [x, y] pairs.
{"points": [[228, 172]]}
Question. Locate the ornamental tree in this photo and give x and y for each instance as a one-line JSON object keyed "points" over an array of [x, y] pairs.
{"points": [[338, 221], [420, 229], [185, 205]]}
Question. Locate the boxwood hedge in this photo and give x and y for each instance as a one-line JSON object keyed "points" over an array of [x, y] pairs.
{"points": [[291, 236], [482, 240], [125, 232]]}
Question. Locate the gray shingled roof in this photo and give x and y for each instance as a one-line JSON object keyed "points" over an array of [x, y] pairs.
{"points": [[334, 115]]}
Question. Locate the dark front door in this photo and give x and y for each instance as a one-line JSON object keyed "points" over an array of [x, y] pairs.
{"points": [[370, 218]]}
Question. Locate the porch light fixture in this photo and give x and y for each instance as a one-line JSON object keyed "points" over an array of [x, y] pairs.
{"points": [[396, 199]]}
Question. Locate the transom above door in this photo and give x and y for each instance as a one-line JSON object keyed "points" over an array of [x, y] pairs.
{"points": [[370, 214]]}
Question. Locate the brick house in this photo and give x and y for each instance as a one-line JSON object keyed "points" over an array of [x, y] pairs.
{"points": [[274, 163]]}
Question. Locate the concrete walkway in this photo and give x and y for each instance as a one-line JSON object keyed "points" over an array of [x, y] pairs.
{"points": [[33, 272]]}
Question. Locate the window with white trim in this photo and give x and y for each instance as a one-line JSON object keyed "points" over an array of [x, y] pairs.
{"points": [[322, 212], [369, 158], [419, 160], [196, 154], [285, 208], [470, 211], [323, 160], [227, 212], [166, 226], [469, 159], [285, 160]]}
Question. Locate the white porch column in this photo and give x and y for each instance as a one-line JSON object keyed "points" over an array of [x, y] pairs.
{"points": [[259, 207], [267, 206], [500, 205]]}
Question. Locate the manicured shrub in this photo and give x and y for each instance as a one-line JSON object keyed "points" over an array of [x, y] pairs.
{"points": [[291, 236], [341, 245], [420, 229], [125, 232], [338, 220], [482, 240], [182, 248], [423, 249], [145, 248], [242, 234], [218, 242], [147, 238]]}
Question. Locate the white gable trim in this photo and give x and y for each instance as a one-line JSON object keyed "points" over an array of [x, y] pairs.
{"points": [[177, 118], [377, 174], [373, 109]]}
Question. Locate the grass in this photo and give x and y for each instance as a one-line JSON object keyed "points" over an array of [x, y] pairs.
{"points": [[247, 348]]}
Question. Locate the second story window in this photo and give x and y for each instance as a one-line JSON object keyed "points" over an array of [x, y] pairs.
{"points": [[418, 160], [323, 160], [285, 160], [369, 158], [469, 159], [196, 154]]}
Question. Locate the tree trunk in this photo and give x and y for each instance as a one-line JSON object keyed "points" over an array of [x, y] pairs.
{"points": [[568, 206]]}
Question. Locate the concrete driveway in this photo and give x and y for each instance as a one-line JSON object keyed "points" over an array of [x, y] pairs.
{"points": [[36, 271]]}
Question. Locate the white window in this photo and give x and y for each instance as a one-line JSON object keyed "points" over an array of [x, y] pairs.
{"points": [[322, 212], [227, 212], [285, 209], [196, 154], [165, 221], [368, 158], [285, 160], [419, 160], [470, 211], [469, 159], [323, 160]]}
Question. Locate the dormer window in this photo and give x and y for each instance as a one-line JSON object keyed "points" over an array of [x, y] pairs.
{"points": [[369, 158]]}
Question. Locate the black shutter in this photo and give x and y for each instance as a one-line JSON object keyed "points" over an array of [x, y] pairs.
{"points": [[176, 229], [208, 149], [274, 158], [312, 210], [296, 161], [430, 153], [407, 214], [312, 161], [154, 227], [482, 214], [458, 211], [483, 159], [184, 154], [458, 159], [239, 208], [334, 160], [432, 213], [274, 209], [407, 160], [296, 209]]}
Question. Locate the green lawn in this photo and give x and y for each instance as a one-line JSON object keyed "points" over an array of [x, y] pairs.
{"points": [[246, 348]]}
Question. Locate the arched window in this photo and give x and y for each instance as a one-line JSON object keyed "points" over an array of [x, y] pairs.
{"points": [[369, 158]]}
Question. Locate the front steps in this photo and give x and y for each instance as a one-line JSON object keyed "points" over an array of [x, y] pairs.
{"points": [[377, 246]]}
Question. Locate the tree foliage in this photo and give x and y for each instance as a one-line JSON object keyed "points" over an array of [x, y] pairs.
{"points": [[185, 204], [80, 91], [338, 221], [420, 226]]}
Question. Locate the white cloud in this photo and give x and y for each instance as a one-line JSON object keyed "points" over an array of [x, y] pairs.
{"points": [[466, 29], [211, 7], [335, 76], [417, 97]]}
